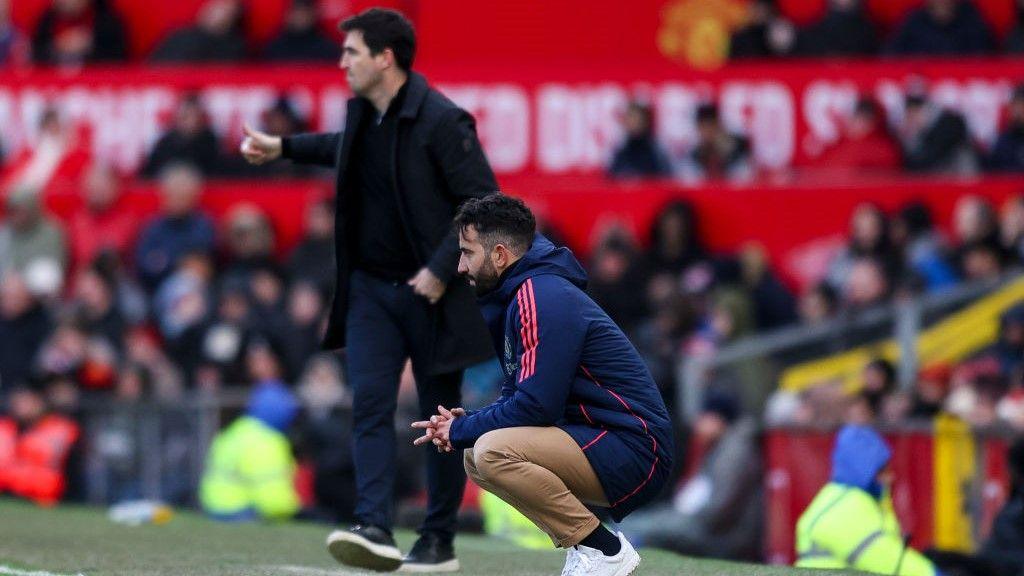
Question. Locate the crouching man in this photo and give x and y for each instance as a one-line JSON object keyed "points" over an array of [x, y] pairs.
{"points": [[579, 421]]}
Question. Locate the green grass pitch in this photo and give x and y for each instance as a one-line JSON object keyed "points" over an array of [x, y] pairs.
{"points": [[68, 541]]}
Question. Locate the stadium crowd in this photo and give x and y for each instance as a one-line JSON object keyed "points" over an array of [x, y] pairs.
{"points": [[106, 308]]}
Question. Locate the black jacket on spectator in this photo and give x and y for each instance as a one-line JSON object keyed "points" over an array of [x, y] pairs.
{"points": [[109, 42], [937, 149], [202, 151], [640, 157], [920, 34], [1008, 153], [301, 47], [313, 260], [840, 33], [20, 340], [438, 162], [197, 45]]}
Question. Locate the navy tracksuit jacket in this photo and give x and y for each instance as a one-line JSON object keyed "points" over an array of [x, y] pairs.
{"points": [[567, 364]]}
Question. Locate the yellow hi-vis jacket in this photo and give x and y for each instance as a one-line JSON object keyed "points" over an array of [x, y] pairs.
{"points": [[846, 527], [250, 468]]}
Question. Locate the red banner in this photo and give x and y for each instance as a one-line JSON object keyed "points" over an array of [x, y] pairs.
{"points": [[535, 119]]}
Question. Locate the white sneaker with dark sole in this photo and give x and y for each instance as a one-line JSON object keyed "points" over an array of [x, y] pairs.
{"points": [[365, 547], [590, 562]]}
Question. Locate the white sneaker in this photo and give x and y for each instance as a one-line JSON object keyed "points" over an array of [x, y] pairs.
{"points": [[570, 561], [591, 562]]}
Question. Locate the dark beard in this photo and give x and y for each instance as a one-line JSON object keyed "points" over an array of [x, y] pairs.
{"points": [[486, 280]]}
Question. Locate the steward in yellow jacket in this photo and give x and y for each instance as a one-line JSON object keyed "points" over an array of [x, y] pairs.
{"points": [[850, 523], [250, 471]]}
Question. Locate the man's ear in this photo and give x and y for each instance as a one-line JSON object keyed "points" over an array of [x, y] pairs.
{"points": [[500, 256]]}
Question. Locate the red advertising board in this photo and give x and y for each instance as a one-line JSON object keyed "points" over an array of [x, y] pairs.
{"points": [[533, 119]]}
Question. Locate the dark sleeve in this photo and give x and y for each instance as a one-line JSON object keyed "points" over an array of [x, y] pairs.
{"points": [[950, 131], [460, 158], [317, 149], [552, 335]]}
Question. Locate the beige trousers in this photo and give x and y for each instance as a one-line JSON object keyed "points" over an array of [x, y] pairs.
{"points": [[544, 474]]}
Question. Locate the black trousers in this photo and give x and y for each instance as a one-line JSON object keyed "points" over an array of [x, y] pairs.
{"points": [[387, 324]]}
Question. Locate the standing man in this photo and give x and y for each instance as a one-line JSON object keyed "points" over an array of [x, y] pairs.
{"points": [[406, 160], [580, 419]]}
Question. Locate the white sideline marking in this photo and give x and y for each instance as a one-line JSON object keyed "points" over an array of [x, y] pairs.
{"points": [[7, 570]]}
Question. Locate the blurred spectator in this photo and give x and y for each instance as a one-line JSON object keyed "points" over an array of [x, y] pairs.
{"points": [[866, 286], [189, 140], [327, 436], [96, 303], [29, 235], [869, 239], [864, 145], [975, 222], [844, 30], [659, 340], [270, 316], [14, 47], [1008, 152], [301, 40], [132, 303], [730, 317], [182, 303], [640, 154], [24, 325], [615, 280], [934, 139], [250, 471], [313, 258], [41, 443], [249, 243], [930, 391], [219, 346], [1011, 228], [924, 250], [1008, 351], [943, 28], [774, 306], [818, 304], [71, 353], [766, 33], [717, 513], [115, 440], [980, 252], [850, 523], [718, 154], [304, 327], [217, 36], [878, 385], [981, 261], [76, 32], [1015, 39], [675, 243], [103, 222], [180, 227]]}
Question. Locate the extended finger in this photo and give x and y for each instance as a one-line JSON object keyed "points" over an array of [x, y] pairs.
{"points": [[424, 424], [444, 412]]}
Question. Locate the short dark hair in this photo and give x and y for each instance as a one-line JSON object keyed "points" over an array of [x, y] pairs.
{"points": [[499, 219], [383, 28]]}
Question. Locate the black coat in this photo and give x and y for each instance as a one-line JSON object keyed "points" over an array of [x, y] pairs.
{"points": [[438, 163]]}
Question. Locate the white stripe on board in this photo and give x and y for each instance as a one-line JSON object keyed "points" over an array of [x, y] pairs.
{"points": [[8, 571]]}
